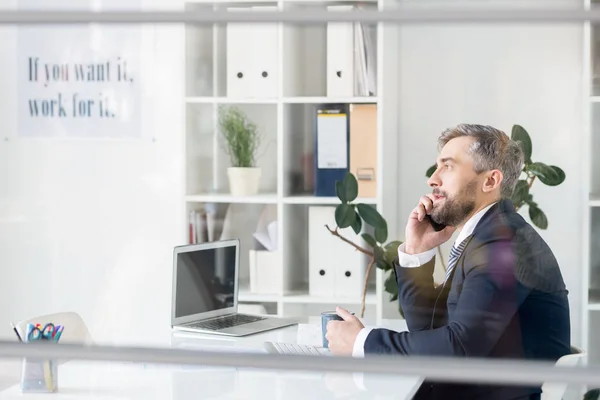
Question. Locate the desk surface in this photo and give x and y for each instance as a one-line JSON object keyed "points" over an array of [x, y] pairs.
{"points": [[107, 380]]}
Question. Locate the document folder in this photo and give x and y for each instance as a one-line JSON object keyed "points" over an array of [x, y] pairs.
{"points": [[331, 148], [363, 147]]}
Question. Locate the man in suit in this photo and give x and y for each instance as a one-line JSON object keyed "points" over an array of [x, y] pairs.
{"points": [[503, 295]]}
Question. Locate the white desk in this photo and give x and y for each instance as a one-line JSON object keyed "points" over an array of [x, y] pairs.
{"points": [[104, 380]]}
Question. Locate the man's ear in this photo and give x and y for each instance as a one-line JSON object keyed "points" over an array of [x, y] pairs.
{"points": [[492, 181]]}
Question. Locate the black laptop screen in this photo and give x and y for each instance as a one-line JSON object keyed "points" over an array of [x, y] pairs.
{"points": [[205, 280]]}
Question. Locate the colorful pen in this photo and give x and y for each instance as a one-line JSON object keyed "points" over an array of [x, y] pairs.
{"points": [[16, 332]]}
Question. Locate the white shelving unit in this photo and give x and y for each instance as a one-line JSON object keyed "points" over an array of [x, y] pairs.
{"points": [[591, 179], [287, 126]]}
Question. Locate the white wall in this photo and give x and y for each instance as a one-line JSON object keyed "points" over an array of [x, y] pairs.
{"points": [[499, 75], [89, 225]]}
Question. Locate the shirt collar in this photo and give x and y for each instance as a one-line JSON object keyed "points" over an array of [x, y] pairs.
{"points": [[470, 225]]}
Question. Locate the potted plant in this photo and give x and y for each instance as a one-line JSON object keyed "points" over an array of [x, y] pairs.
{"points": [[242, 140]]}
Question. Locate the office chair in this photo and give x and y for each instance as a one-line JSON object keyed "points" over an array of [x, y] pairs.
{"points": [[556, 390]]}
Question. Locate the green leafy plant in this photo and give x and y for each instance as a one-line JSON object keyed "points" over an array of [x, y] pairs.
{"points": [[241, 137], [357, 216], [550, 175]]}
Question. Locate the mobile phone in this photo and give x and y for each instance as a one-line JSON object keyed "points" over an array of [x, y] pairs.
{"points": [[436, 227]]}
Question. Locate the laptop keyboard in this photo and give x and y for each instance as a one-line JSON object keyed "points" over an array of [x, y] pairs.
{"points": [[292, 348], [226, 322]]}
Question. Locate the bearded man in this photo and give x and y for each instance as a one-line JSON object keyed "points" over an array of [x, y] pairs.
{"points": [[503, 296]]}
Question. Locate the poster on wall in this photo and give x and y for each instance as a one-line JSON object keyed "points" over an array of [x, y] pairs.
{"points": [[79, 80]]}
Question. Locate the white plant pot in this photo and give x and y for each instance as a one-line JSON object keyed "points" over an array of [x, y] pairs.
{"points": [[243, 181]]}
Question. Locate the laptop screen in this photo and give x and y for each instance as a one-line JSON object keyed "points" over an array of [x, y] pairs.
{"points": [[205, 280]]}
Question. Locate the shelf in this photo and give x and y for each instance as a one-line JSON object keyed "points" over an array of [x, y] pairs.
{"points": [[322, 200], [333, 100], [229, 1], [228, 100], [302, 297], [284, 111], [594, 200], [594, 99], [285, 100], [275, 1], [305, 298], [245, 296], [268, 199], [228, 198]]}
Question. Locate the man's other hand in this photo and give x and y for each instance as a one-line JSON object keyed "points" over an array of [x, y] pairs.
{"points": [[342, 334]]}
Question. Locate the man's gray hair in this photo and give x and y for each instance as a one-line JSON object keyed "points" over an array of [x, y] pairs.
{"points": [[492, 149]]}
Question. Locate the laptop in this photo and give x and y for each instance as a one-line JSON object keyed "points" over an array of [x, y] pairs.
{"points": [[205, 292]]}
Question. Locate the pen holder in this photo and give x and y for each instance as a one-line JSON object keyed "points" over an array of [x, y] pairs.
{"points": [[39, 376]]}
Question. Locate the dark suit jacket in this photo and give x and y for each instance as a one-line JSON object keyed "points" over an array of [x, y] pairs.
{"points": [[506, 299]]}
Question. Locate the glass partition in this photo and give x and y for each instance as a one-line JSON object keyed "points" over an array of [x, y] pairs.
{"points": [[187, 178]]}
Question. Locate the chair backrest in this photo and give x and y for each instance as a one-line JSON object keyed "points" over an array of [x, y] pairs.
{"points": [[556, 390], [75, 330]]}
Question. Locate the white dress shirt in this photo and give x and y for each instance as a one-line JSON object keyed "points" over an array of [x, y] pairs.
{"points": [[416, 260]]}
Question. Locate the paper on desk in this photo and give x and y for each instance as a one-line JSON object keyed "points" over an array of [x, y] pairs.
{"points": [[266, 231], [268, 239], [310, 334]]}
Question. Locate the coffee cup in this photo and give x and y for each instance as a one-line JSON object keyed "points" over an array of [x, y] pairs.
{"points": [[327, 316]]}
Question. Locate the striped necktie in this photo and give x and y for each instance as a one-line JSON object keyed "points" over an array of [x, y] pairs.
{"points": [[454, 255]]}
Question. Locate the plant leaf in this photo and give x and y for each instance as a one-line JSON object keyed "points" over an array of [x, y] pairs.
{"points": [[357, 224], [371, 216], [378, 253], [390, 285], [538, 217], [392, 245], [529, 201], [560, 177], [545, 173], [380, 261], [390, 255], [383, 265], [430, 170], [521, 193], [519, 134], [241, 136], [369, 239], [350, 187], [340, 191], [593, 394], [381, 234], [344, 215]]}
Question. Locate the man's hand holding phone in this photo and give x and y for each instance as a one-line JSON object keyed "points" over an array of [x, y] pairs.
{"points": [[421, 235]]}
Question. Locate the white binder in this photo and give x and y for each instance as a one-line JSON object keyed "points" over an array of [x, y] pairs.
{"points": [[351, 57], [266, 56], [335, 267], [252, 57], [239, 49], [340, 56]]}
